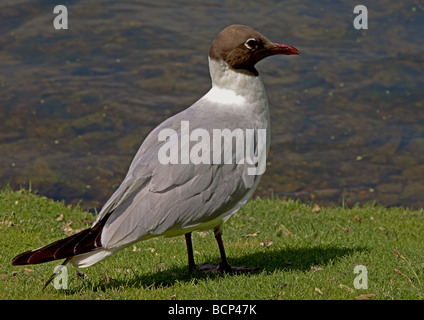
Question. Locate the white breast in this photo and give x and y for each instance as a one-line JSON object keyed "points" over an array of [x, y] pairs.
{"points": [[224, 96], [238, 90]]}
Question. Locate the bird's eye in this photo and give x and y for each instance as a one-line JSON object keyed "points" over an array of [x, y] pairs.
{"points": [[251, 43]]}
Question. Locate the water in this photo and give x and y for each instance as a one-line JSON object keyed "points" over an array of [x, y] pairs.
{"points": [[347, 114]]}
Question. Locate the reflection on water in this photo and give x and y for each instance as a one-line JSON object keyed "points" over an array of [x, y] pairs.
{"points": [[347, 114]]}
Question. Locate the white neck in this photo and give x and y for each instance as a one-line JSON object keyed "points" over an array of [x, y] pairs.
{"points": [[235, 87], [244, 94]]}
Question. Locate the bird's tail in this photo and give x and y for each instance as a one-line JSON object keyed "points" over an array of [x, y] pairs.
{"points": [[82, 242]]}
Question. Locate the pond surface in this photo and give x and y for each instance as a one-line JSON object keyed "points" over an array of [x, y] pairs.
{"points": [[347, 114]]}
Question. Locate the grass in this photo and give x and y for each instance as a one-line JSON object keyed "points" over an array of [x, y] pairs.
{"points": [[301, 251]]}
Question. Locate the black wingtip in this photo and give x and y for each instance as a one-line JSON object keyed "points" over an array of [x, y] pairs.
{"points": [[79, 243], [61, 249], [23, 258]]}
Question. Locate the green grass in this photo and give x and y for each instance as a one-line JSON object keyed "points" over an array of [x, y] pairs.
{"points": [[301, 253]]}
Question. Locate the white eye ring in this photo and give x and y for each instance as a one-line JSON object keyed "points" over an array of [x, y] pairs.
{"points": [[247, 45]]}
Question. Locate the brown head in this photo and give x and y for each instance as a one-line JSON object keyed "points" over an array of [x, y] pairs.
{"points": [[242, 47]]}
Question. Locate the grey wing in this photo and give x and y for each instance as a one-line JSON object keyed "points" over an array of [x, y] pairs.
{"points": [[156, 198]]}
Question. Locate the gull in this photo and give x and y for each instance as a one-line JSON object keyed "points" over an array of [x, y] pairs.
{"points": [[177, 183]]}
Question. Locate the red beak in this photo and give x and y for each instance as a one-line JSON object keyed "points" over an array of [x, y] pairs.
{"points": [[283, 49]]}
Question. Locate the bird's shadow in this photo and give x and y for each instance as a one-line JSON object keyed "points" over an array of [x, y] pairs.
{"points": [[285, 259]]}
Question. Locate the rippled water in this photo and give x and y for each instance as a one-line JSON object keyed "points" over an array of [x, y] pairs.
{"points": [[347, 114]]}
